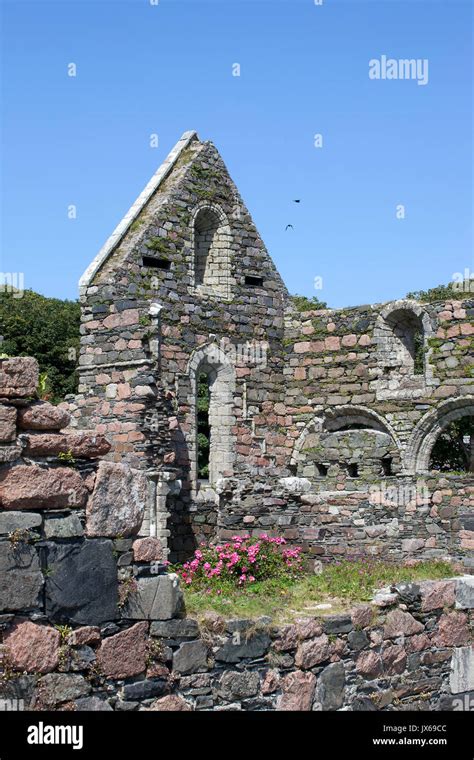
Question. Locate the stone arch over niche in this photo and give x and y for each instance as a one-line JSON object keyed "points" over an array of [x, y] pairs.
{"points": [[352, 440], [429, 428], [211, 246], [213, 362], [401, 332]]}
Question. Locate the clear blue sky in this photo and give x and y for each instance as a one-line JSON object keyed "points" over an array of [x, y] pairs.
{"points": [[167, 68]]}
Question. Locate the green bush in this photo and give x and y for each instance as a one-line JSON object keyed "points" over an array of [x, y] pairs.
{"points": [[48, 329]]}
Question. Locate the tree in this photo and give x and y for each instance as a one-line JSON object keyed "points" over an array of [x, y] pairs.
{"points": [[46, 328], [454, 448]]}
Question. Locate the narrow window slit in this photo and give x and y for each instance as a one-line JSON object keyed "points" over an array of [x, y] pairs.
{"points": [[254, 282], [353, 470], [155, 263]]}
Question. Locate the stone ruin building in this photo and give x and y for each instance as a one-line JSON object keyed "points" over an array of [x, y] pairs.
{"points": [[321, 423], [321, 427]]}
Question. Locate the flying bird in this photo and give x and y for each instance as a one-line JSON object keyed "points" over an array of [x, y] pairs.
{"points": [[288, 227], [298, 200]]}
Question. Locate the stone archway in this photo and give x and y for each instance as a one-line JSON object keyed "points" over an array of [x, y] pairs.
{"points": [[346, 427], [429, 428]]}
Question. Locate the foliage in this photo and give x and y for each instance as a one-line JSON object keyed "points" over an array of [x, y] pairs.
{"points": [[419, 352], [20, 536], [341, 583], [127, 587], [158, 244], [64, 632], [67, 458], [240, 562], [454, 448], [439, 293], [303, 303], [357, 579], [44, 388], [46, 328], [203, 429]]}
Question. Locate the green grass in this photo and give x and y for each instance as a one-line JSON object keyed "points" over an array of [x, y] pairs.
{"points": [[340, 584]]}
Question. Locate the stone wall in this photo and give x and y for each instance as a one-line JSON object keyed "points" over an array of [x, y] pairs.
{"points": [[350, 399], [395, 519], [90, 620], [70, 522], [410, 649], [341, 373]]}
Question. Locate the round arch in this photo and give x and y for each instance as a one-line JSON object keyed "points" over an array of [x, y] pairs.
{"points": [[404, 313], [429, 428], [211, 241], [334, 419]]}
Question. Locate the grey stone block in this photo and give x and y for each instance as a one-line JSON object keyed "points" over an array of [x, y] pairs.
{"points": [[338, 624], [11, 521], [330, 689], [92, 704], [191, 657], [81, 585], [21, 579], [21, 688], [63, 527], [54, 688], [175, 629], [465, 593], [236, 685], [145, 689], [253, 647], [358, 640], [462, 670], [158, 598]]}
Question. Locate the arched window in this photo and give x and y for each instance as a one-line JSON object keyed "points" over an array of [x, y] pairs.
{"points": [[453, 450], [402, 333], [211, 441], [444, 438], [405, 343], [211, 252], [203, 427]]}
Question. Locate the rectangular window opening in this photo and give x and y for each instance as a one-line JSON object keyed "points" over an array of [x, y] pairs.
{"points": [[353, 470], [254, 282], [155, 263]]}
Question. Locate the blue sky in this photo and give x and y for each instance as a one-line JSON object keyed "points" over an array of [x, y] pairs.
{"points": [[167, 68]]}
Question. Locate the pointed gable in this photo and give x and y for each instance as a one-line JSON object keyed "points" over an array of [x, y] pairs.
{"points": [[190, 222]]}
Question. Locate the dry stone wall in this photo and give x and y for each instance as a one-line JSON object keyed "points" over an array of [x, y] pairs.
{"points": [[410, 649]]}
